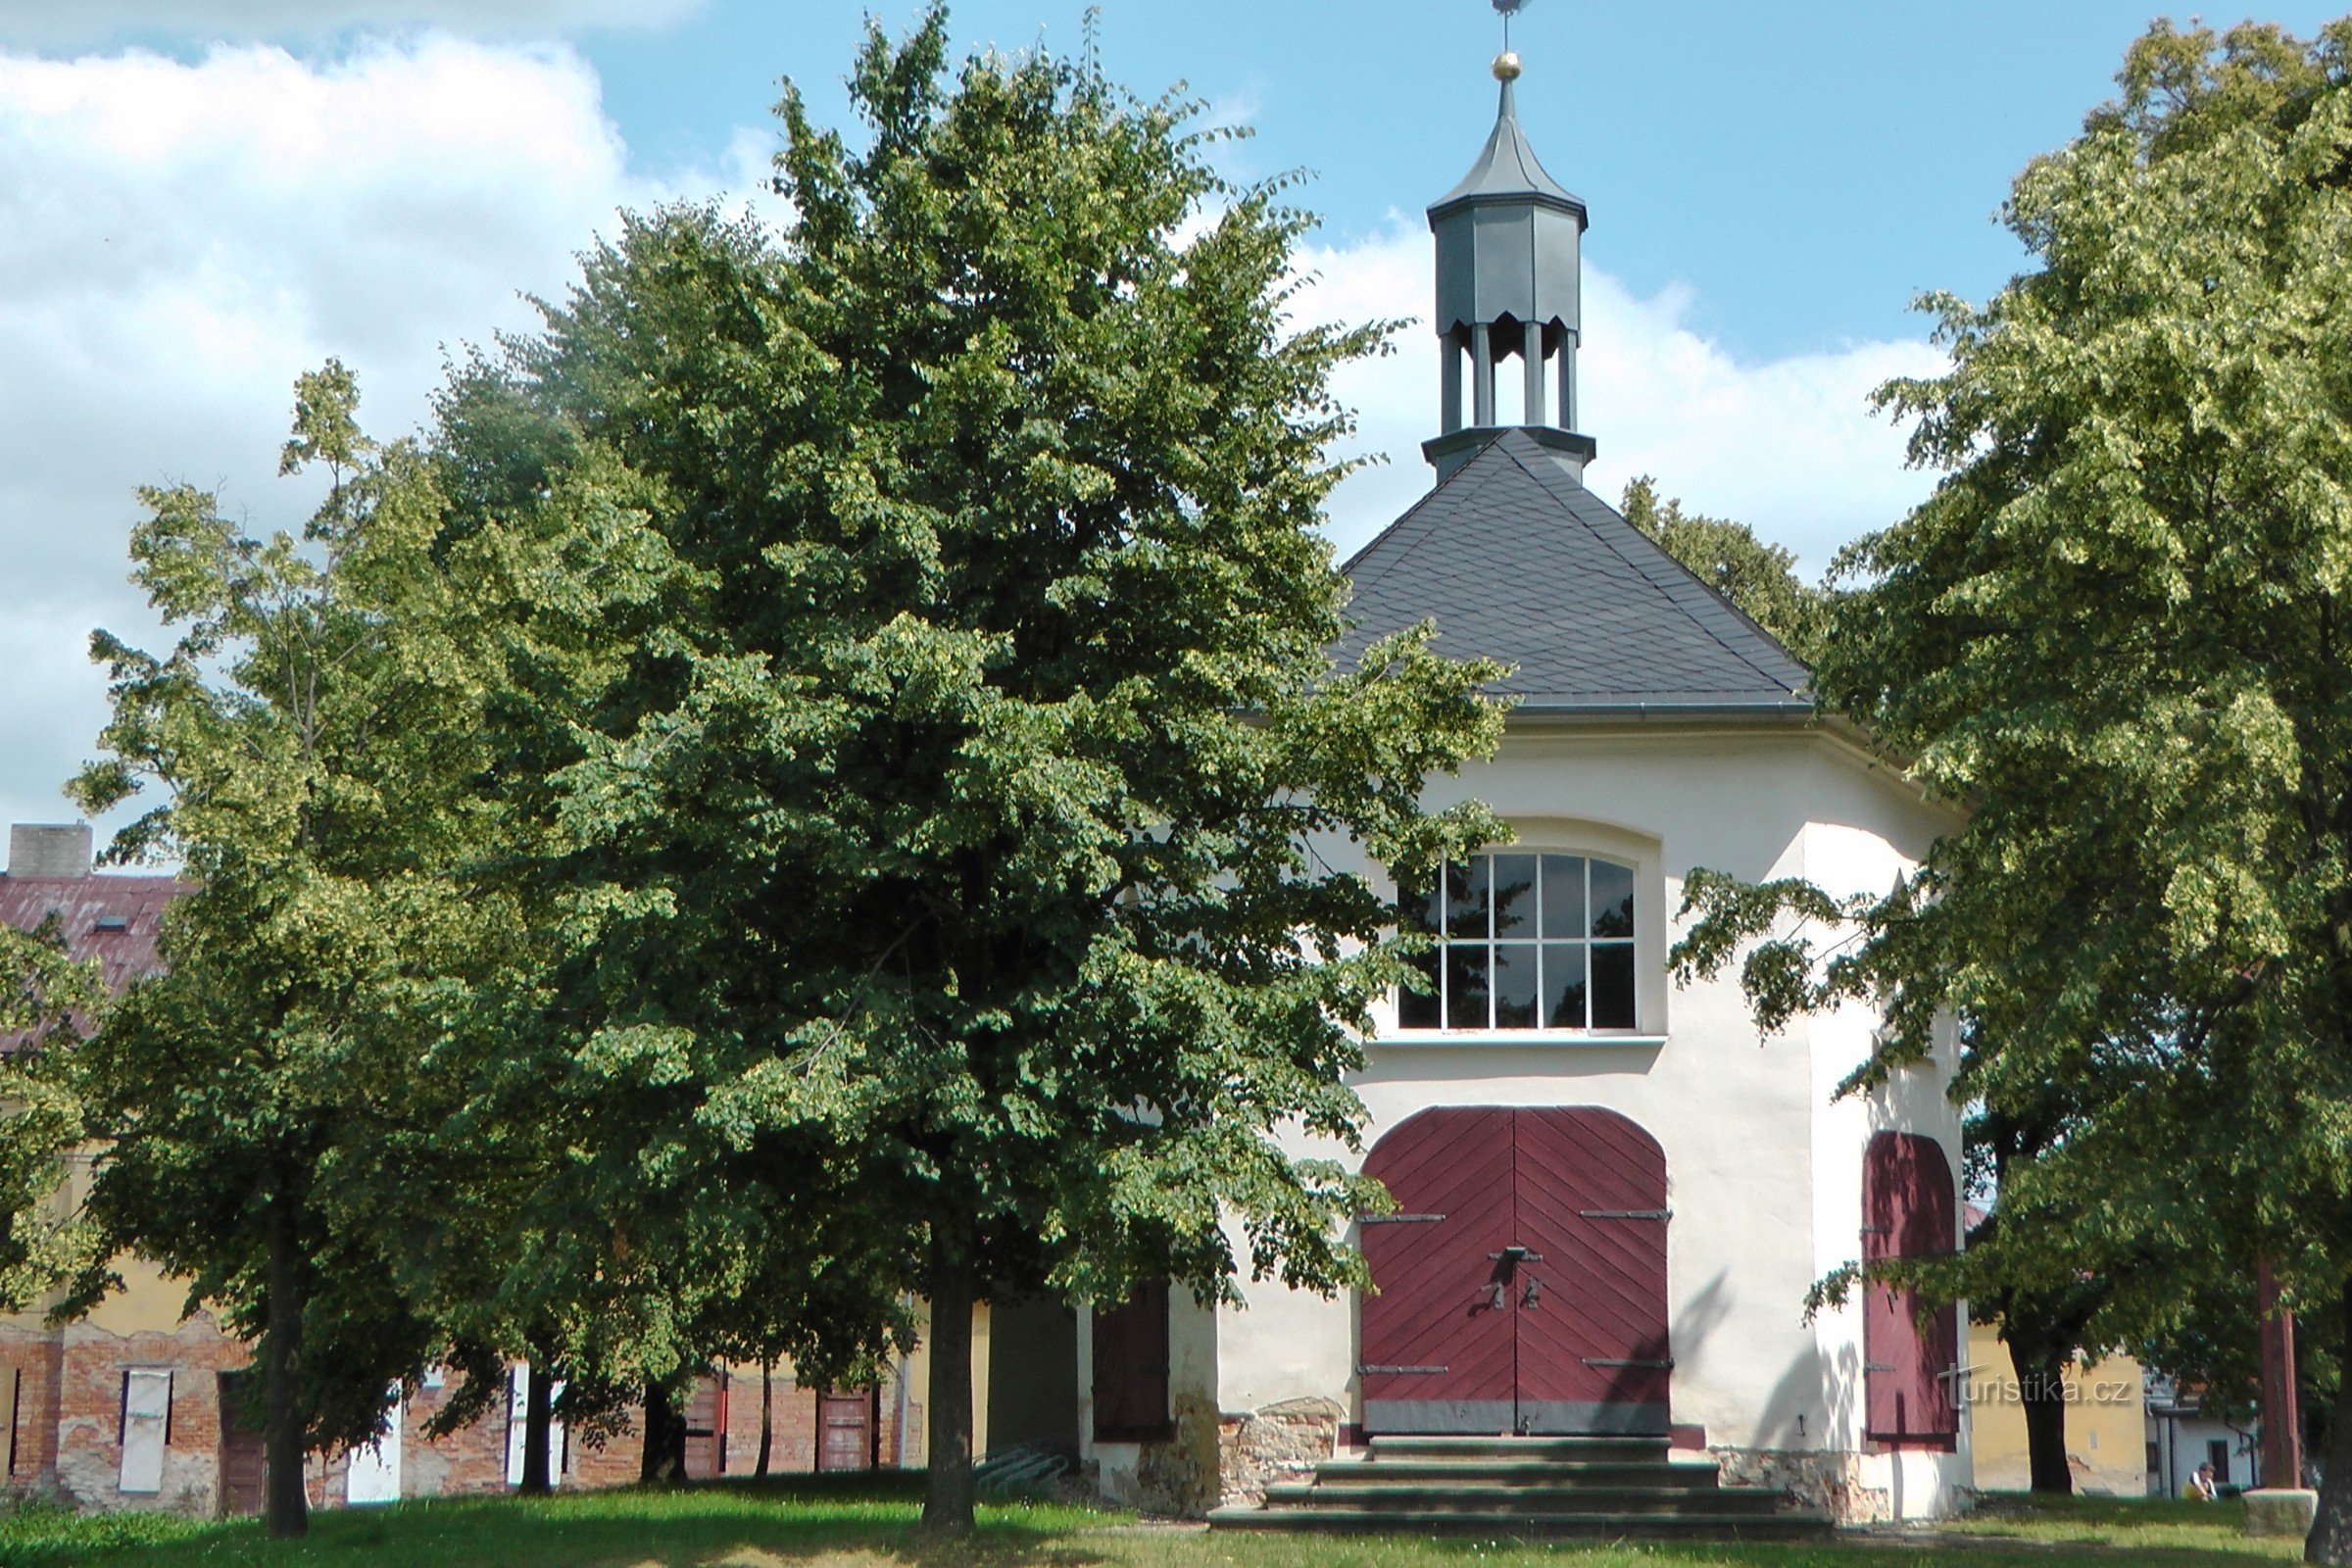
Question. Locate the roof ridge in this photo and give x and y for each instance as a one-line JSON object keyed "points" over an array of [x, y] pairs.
{"points": [[1660, 553]]}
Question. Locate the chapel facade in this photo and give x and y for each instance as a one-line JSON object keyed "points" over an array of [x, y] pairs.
{"points": [[1612, 1195]]}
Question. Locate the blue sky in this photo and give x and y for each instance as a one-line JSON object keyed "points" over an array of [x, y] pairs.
{"points": [[200, 199], [1805, 168]]}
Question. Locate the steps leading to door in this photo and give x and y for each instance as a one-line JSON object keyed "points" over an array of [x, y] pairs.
{"points": [[1559, 1488]]}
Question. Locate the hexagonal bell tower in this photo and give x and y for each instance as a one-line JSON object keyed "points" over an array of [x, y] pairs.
{"points": [[1510, 286]]}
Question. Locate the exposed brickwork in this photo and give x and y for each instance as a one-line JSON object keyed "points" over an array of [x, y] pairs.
{"points": [[77, 1447]]}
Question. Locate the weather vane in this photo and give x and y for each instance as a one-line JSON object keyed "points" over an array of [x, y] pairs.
{"points": [[1506, 64]]}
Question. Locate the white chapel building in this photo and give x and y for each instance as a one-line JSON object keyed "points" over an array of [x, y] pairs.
{"points": [[1612, 1194]]}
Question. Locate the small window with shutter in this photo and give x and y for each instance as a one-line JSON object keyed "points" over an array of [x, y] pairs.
{"points": [[1131, 1369]]}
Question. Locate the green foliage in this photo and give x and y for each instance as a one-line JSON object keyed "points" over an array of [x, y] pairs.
{"points": [[947, 860], [1758, 579], [2114, 635], [46, 1002], [254, 1103]]}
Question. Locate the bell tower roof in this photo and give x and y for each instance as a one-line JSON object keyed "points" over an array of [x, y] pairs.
{"points": [[1508, 171]]}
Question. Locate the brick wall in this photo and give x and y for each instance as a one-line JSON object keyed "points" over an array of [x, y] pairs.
{"points": [[85, 1461], [70, 1407]]}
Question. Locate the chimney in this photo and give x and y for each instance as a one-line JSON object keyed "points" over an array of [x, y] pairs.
{"points": [[48, 849]]}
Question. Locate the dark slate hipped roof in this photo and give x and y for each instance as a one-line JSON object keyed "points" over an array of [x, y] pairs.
{"points": [[1517, 562]]}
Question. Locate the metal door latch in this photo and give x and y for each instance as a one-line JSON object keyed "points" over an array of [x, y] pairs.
{"points": [[1533, 1296], [1494, 1296]]}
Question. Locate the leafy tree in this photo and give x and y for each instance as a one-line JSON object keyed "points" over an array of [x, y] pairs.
{"points": [[958, 834], [251, 1103], [1760, 579], [635, 1229], [47, 1000], [2115, 634]]}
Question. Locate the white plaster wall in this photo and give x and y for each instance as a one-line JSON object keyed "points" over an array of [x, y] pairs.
{"points": [[1756, 1155]]}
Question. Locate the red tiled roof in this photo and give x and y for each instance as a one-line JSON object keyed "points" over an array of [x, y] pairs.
{"points": [[112, 919]]}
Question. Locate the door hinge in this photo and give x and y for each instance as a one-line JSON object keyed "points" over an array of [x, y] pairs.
{"points": [[1625, 1213], [1398, 1219], [1880, 1366], [1666, 1366], [1400, 1371]]}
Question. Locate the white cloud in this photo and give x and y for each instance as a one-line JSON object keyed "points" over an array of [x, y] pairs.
{"points": [[1786, 445], [179, 241], [67, 22]]}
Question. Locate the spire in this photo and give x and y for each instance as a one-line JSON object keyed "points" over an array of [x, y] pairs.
{"points": [[1508, 171], [1510, 261]]}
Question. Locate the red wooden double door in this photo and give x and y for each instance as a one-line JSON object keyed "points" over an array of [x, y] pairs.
{"points": [[1522, 1280]]}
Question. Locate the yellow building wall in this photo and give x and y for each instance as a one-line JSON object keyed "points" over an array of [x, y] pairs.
{"points": [[149, 1302], [919, 1383], [2106, 1421]]}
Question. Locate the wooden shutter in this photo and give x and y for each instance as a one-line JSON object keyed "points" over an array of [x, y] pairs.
{"points": [[144, 1429], [707, 1427], [1131, 1367], [1909, 1365]]}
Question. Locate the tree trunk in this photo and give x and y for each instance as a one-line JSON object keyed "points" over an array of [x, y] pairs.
{"points": [[948, 1500], [538, 1427], [2042, 1391], [768, 1414], [2330, 1538], [286, 1506], [664, 1461]]}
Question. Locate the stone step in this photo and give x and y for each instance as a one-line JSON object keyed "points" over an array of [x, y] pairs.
{"points": [[1451, 1498], [1575, 1451], [1655, 1474], [1594, 1526]]}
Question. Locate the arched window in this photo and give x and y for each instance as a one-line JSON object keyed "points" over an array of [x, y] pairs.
{"points": [[1524, 941]]}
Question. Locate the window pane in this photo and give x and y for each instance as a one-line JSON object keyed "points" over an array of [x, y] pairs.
{"points": [[1416, 1011], [1563, 894], [1514, 985], [1514, 895], [1466, 987], [1612, 900], [1418, 905], [1612, 985], [1466, 897], [1563, 986]]}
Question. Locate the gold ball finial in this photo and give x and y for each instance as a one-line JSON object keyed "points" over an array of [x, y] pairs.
{"points": [[1507, 67]]}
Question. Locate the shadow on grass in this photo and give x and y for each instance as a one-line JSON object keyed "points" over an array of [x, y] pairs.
{"points": [[870, 1521], [737, 1524]]}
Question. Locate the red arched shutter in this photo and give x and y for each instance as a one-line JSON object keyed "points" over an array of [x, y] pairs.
{"points": [[1910, 1366]]}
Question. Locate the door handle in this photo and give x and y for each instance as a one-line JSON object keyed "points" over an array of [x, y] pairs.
{"points": [[1533, 1296], [1494, 1296]]}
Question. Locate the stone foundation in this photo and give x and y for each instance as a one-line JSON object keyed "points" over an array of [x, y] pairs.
{"points": [[1816, 1480], [1281, 1442]]}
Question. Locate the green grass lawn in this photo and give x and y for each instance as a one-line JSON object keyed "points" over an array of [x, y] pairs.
{"points": [[869, 1523]]}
